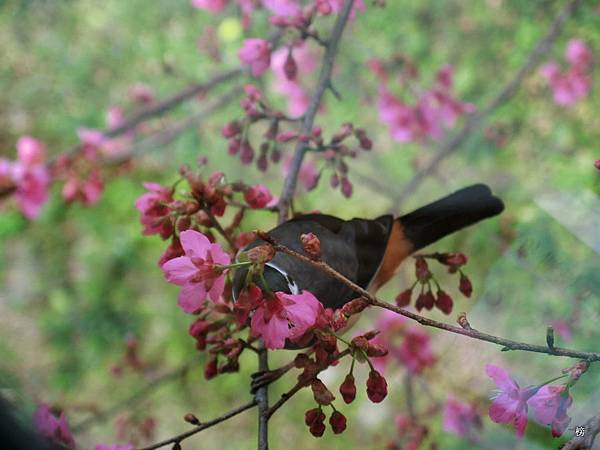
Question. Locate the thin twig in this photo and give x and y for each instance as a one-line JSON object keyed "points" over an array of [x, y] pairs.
{"points": [[165, 136], [590, 429], [132, 400], [203, 426], [507, 344], [323, 84], [475, 120]]}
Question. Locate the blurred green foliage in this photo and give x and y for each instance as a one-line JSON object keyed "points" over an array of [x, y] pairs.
{"points": [[80, 280]]}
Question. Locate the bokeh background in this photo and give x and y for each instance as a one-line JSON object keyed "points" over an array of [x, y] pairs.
{"points": [[79, 282]]}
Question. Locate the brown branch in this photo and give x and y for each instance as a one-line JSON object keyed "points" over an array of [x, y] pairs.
{"points": [[507, 344], [323, 84], [475, 120], [132, 400], [219, 228], [203, 426], [298, 386], [168, 134], [591, 430]]}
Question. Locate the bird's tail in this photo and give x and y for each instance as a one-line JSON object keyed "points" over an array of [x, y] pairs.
{"points": [[449, 214]]}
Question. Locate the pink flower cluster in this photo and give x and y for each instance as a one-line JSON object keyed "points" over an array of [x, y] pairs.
{"points": [[51, 427], [575, 82], [510, 405], [280, 316], [433, 112], [27, 178], [200, 272]]}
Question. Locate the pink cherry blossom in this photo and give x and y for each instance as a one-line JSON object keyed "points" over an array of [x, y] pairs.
{"points": [[257, 54], [510, 403], [113, 447], [52, 427], [32, 184], [460, 418], [285, 316], [30, 151], [284, 8], [578, 54], [258, 196], [213, 6], [154, 213], [550, 406], [197, 272], [114, 116]]}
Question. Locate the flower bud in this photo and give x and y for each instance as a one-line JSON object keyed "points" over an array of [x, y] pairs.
{"points": [[290, 68], [346, 187], [317, 429], [422, 269], [425, 300], [322, 395], [234, 146], [190, 418], [376, 350], [311, 245], [231, 129], [348, 389], [465, 285], [444, 302], [354, 306], [376, 387], [403, 298], [337, 422], [210, 368], [247, 153], [313, 415], [334, 181], [301, 361], [261, 254]]}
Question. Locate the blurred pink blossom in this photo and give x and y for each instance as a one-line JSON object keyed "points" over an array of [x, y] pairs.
{"points": [[284, 8], [460, 417], [257, 54], [52, 427], [213, 6]]}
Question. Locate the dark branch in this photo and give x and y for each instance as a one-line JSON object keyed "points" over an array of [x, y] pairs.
{"points": [[131, 401], [469, 332], [323, 84], [475, 120], [203, 426]]}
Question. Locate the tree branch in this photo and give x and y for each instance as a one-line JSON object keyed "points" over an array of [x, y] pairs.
{"points": [[507, 344], [203, 426], [585, 442], [475, 120], [323, 84], [135, 398]]}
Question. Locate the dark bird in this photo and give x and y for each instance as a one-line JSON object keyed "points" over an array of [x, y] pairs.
{"points": [[368, 252]]}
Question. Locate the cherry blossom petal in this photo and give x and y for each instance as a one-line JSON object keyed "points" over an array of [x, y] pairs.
{"points": [[179, 270]]}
